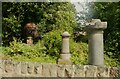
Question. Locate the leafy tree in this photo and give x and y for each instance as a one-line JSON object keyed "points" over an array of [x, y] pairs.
{"points": [[48, 16]]}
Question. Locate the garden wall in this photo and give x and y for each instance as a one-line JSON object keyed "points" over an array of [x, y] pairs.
{"points": [[32, 69]]}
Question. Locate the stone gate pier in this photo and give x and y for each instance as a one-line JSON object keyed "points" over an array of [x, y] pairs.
{"points": [[95, 41]]}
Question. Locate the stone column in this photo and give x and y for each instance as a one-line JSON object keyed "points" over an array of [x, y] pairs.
{"points": [[95, 41], [29, 40], [65, 55]]}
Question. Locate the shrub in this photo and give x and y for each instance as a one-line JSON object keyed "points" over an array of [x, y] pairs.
{"points": [[52, 42], [22, 52], [109, 61], [79, 52]]}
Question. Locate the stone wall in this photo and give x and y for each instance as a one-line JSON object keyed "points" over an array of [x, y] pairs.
{"points": [[31, 69]]}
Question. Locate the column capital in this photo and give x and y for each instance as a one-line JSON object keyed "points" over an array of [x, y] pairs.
{"points": [[65, 34], [96, 24]]}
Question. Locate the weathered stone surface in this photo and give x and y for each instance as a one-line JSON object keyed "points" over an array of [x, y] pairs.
{"points": [[90, 71], [96, 24], [45, 70], [95, 40], [95, 55], [79, 71], [1, 68], [119, 72], [16, 69], [69, 70], [102, 71], [0, 71], [65, 55], [7, 69], [30, 68], [38, 69], [7, 75], [23, 67], [53, 70], [65, 43], [64, 61], [60, 71], [8, 66], [114, 72]]}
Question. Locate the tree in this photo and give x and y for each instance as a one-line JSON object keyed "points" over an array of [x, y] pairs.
{"points": [[47, 15]]}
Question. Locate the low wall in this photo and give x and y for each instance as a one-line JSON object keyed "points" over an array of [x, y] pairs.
{"points": [[31, 69]]}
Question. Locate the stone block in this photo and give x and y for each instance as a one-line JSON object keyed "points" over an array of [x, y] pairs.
{"points": [[69, 70], [53, 70], [1, 66], [79, 71], [96, 24], [38, 69], [102, 71], [90, 71], [7, 75], [0, 72], [24, 68], [60, 70], [8, 66], [16, 69], [114, 72], [46, 70], [30, 68]]}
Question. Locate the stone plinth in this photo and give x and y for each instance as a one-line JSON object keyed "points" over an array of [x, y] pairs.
{"points": [[95, 40], [65, 55]]}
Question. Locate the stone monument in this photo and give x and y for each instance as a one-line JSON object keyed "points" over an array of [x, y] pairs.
{"points": [[95, 41], [65, 55]]}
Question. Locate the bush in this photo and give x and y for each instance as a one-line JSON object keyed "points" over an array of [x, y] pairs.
{"points": [[79, 52], [19, 51], [110, 61], [53, 42], [48, 51]]}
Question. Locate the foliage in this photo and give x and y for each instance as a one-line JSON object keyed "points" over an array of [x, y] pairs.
{"points": [[52, 20], [50, 53], [79, 52], [23, 52], [48, 16], [52, 42], [11, 27], [114, 62]]}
